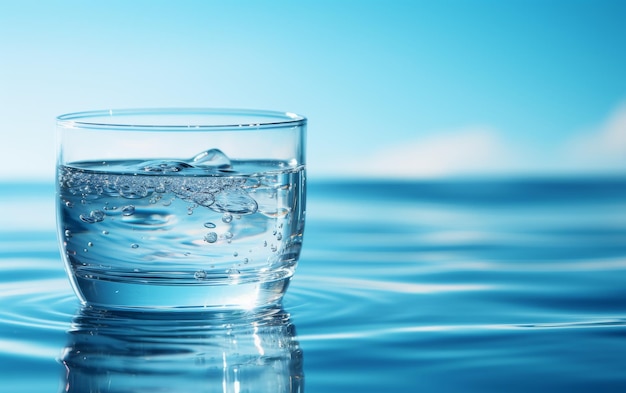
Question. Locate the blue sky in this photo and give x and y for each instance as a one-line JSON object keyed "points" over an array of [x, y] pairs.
{"points": [[391, 88]]}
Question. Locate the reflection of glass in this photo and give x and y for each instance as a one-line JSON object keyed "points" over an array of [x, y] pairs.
{"points": [[182, 352]]}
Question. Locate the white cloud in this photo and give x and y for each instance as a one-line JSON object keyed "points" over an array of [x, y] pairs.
{"points": [[602, 148], [486, 151], [471, 150]]}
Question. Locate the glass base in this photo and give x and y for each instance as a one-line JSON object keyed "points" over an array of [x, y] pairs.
{"points": [[139, 296]]}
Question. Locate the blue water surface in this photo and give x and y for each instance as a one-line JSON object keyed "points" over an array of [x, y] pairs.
{"points": [[434, 286]]}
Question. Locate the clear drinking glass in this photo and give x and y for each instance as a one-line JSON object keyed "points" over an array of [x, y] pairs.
{"points": [[180, 208]]}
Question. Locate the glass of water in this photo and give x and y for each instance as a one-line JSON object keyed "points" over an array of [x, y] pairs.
{"points": [[180, 209]]}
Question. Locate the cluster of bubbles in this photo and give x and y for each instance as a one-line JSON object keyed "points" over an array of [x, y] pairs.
{"points": [[221, 194], [211, 237]]}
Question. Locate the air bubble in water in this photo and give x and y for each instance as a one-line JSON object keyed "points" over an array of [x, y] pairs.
{"points": [[105, 232], [134, 245], [209, 225], [234, 201], [68, 233], [227, 217], [233, 273], [203, 198], [136, 192], [279, 236], [160, 188], [211, 159], [94, 216], [210, 237], [90, 244], [200, 275], [128, 210], [235, 254]]}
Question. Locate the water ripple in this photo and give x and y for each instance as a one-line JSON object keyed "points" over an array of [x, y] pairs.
{"points": [[39, 297]]}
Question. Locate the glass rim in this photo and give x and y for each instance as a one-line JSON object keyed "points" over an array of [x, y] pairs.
{"points": [[205, 119]]}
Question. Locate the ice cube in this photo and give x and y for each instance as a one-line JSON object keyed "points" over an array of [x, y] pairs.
{"points": [[213, 159]]}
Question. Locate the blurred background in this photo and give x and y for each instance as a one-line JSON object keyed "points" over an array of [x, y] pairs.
{"points": [[512, 281], [411, 89]]}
